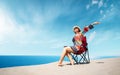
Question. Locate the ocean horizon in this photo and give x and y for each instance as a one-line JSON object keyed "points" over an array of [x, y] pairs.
{"points": [[13, 61]]}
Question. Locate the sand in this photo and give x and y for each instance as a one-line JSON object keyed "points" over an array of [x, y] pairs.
{"points": [[109, 66]]}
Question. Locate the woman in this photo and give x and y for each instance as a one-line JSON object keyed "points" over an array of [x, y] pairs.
{"points": [[77, 40], [72, 49]]}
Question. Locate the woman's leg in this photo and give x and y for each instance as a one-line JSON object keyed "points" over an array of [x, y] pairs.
{"points": [[66, 50], [70, 58]]}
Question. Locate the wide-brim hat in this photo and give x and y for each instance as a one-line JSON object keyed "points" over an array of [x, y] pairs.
{"points": [[76, 27]]}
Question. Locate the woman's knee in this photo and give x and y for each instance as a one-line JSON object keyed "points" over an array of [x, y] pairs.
{"points": [[65, 49], [68, 49]]}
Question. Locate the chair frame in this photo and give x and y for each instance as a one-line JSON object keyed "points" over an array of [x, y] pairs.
{"points": [[81, 58]]}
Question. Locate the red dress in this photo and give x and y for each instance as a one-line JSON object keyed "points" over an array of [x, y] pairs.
{"points": [[79, 40]]}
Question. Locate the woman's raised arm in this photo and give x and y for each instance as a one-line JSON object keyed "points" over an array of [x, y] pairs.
{"points": [[89, 27]]}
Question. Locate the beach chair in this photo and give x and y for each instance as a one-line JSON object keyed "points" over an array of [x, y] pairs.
{"points": [[82, 56]]}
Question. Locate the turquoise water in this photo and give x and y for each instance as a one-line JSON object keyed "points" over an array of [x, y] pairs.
{"points": [[11, 61]]}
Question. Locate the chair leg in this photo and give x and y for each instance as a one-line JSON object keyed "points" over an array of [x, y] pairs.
{"points": [[88, 57], [84, 58], [75, 57]]}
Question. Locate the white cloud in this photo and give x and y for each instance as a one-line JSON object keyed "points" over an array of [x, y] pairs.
{"points": [[109, 13], [117, 36], [112, 5], [108, 35], [87, 6], [44, 16], [100, 4], [100, 40], [94, 2], [59, 44], [103, 17], [10, 30], [92, 36], [105, 41], [101, 12]]}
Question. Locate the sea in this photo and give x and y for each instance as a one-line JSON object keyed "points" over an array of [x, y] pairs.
{"points": [[13, 61]]}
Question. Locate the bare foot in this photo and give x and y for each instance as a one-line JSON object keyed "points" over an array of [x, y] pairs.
{"points": [[72, 63], [59, 65]]}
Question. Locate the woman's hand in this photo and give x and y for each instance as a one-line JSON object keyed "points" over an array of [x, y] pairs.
{"points": [[95, 23]]}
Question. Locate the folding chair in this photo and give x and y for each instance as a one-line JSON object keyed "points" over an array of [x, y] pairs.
{"points": [[82, 57]]}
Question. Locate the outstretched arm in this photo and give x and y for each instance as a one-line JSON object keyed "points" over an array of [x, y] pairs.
{"points": [[89, 27]]}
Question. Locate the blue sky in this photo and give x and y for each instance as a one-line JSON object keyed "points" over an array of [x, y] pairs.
{"points": [[43, 27]]}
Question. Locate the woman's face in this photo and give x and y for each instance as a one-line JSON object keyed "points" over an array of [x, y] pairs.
{"points": [[76, 30]]}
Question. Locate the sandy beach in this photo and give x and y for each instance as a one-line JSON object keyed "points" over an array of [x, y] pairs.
{"points": [[109, 66]]}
